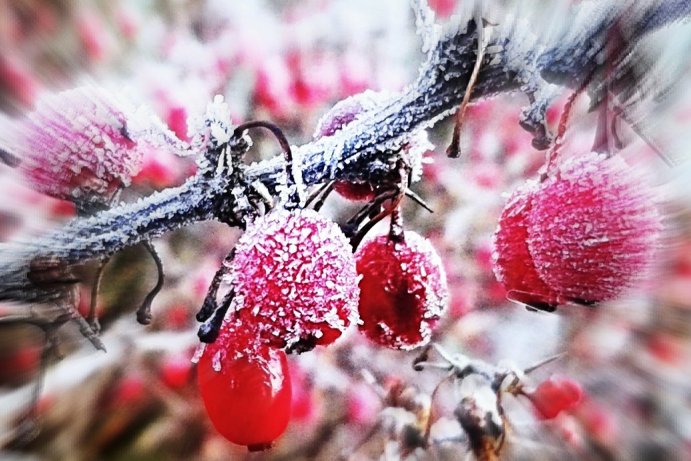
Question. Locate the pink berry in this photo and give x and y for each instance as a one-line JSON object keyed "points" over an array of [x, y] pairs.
{"points": [[175, 371], [554, 396], [345, 112], [245, 387], [513, 263], [403, 290], [585, 234], [294, 278], [75, 146], [339, 116], [593, 228]]}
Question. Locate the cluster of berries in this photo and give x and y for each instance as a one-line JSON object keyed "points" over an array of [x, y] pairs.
{"points": [[583, 234], [296, 284]]}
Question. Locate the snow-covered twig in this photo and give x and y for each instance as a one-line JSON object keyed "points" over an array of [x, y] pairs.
{"points": [[515, 59]]}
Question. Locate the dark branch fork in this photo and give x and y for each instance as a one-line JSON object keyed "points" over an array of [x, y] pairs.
{"points": [[362, 150]]}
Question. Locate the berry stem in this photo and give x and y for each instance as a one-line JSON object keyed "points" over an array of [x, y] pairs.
{"points": [[93, 302], [209, 330], [322, 194], [144, 311], [285, 147], [454, 149], [396, 233], [209, 305]]}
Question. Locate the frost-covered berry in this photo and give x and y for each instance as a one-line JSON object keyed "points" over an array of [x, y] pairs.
{"points": [[294, 277], [593, 229], [348, 110], [555, 395], [403, 290], [585, 234], [245, 387], [75, 146], [513, 263], [339, 116]]}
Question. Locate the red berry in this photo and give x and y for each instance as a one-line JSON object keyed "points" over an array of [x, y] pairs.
{"points": [[245, 387], [593, 228], [585, 234], [554, 396], [443, 8], [339, 116], [355, 191], [403, 290], [513, 263], [345, 112], [74, 146], [294, 278], [175, 371]]}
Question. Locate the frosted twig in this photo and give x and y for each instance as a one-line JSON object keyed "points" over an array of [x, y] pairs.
{"points": [[360, 151]]}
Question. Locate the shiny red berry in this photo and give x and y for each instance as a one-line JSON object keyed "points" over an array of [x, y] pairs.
{"points": [[294, 279], [403, 290], [245, 387], [554, 396]]}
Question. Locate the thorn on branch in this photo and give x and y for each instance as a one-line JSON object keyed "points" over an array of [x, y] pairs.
{"points": [[419, 200], [320, 196]]}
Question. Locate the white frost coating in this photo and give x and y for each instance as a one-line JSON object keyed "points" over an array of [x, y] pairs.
{"points": [[362, 110], [214, 127], [75, 145], [145, 125], [310, 290], [296, 167], [426, 26]]}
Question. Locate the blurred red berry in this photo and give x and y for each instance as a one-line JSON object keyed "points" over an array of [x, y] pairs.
{"points": [[130, 390], [555, 396], [593, 228], [75, 146], [176, 118], [245, 387], [363, 405], [18, 80], [294, 278], [403, 290], [585, 234], [175, 371], [93, 35], [19, 362], [305, 405], [513, 263], [443, 8]]}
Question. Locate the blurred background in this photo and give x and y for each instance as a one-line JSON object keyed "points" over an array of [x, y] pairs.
{"points": [[289, 62]]}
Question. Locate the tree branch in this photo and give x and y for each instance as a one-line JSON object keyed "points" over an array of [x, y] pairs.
{"points": [[365, 149]]}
